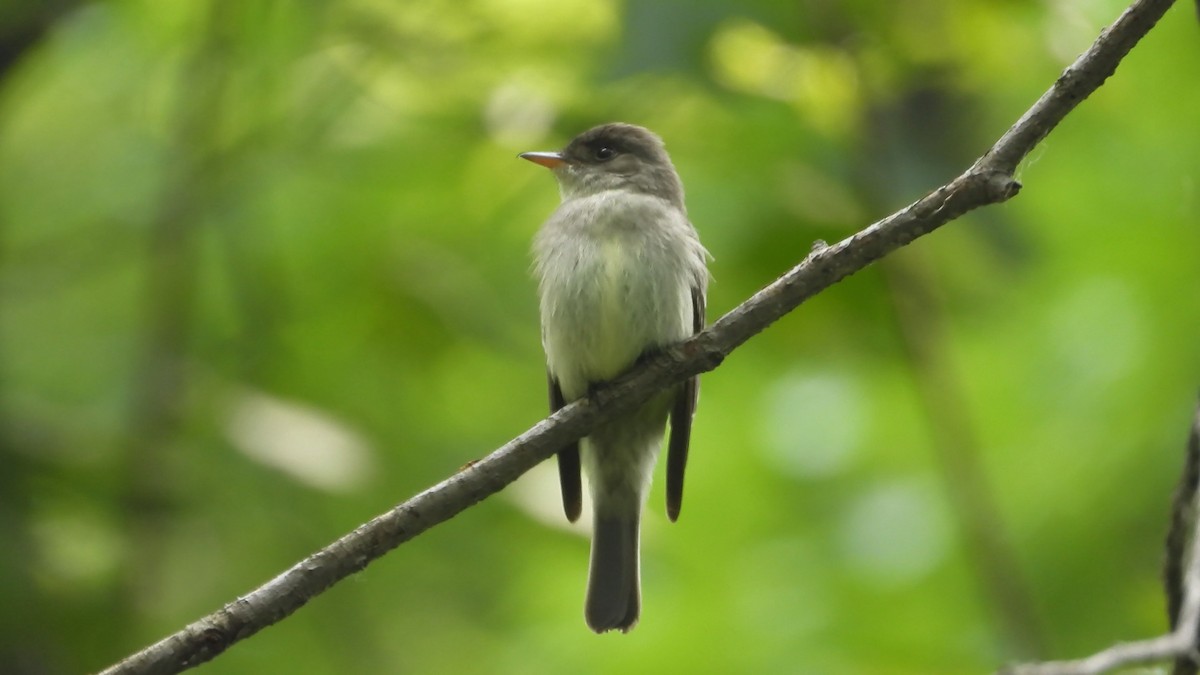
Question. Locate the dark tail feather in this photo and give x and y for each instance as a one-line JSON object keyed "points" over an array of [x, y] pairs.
{"points": [[613, 595]]}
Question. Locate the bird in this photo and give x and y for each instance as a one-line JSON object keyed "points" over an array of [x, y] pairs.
{"points": [[621, 274]]}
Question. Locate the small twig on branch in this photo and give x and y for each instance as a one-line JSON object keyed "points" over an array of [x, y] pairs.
{"points": [[988, 181], [1180, 642]]}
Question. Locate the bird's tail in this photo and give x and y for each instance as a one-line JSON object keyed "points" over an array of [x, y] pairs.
{"points": [[614, 593]]}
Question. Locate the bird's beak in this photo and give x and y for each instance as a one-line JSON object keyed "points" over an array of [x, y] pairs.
{"points": [[550, 160]]}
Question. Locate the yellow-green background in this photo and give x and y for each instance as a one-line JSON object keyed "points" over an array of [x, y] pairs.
{"points": [[264, 273]]}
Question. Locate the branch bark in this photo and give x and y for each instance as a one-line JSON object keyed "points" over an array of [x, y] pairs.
{"points": [[1181, 539], [989, 181]]}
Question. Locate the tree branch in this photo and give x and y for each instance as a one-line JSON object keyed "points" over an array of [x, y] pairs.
{"points": [[1181, 539], [1179, 643], [988, 181]]}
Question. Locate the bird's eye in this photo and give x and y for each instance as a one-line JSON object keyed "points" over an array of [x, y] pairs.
{"points": [[605, 153]]}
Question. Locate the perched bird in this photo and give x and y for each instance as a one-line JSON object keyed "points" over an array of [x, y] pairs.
{"points": [[621, 273]]}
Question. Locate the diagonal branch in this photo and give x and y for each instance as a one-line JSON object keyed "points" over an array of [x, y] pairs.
{"points": [[988, 181]]}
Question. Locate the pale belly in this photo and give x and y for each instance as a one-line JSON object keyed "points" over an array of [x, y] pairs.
{"points": [[619, 302]]}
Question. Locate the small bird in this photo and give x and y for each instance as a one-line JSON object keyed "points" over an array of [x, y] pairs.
{"points": [[621, 274]]}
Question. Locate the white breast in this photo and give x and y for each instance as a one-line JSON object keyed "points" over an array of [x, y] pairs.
{"points": [[615, 273]]}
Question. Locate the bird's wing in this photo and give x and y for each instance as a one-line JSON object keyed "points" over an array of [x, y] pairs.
{"points": [[568, 460], [681, 420]]}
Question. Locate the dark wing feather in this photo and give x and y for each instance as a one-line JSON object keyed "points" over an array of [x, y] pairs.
{"points": [[681, 420], [568, 461]]}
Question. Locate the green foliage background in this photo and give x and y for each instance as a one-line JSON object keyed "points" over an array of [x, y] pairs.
{"points": [[265, 274]]}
